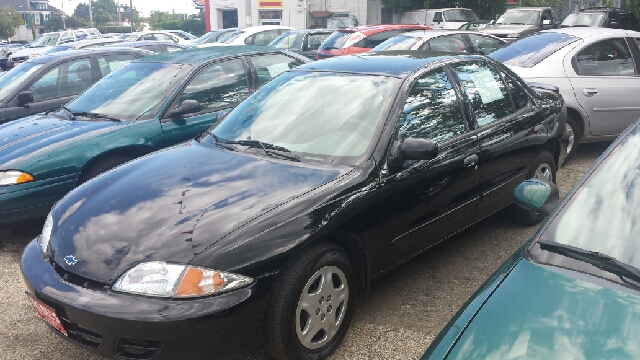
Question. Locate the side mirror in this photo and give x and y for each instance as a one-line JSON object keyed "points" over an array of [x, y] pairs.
{"points": [[614, 24], [187, 107], [25, 97], [537, 195], [418, 149]]}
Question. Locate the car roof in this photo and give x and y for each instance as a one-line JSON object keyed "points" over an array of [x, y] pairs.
{"points": [[89, 42], [585, 32], [531, 8], [146, 42], [197, 56], [390, 63], [314, 31], [373, 29], [434, 33], [80, 52]]}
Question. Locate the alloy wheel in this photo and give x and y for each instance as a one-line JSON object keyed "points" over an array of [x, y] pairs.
{"points": [[322, 307], [571, 135], [544, 172]]}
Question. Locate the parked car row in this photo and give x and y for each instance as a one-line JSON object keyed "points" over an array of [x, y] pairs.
{"points": [[240, 195]]}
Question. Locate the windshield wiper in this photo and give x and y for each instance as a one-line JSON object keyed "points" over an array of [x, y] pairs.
{"points": [[516, 24], [93, 115], [601, 261], [266, 147]]}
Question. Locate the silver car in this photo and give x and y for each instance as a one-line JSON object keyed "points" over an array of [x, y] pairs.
{"points": [[597, 71], [459, 41]]}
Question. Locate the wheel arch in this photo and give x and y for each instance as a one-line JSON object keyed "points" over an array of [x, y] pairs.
{"points": [[133, 152], [578, 118]]}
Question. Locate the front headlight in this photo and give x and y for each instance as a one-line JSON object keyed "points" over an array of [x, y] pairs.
{"points": [[46, 233], [157, 278], [514, 35], [14, 177]]}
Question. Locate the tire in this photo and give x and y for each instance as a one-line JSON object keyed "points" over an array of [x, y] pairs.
{"points": [[101, 166], [288, 315], [575, 135], [543, 167]]}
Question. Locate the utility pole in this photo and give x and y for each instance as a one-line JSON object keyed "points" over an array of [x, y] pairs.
{"points": [[32, 20], [90, 15], [118, 11], [131, 7]]}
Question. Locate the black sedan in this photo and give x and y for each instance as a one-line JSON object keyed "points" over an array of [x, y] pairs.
{"points": [[49, 81], [267, 228]]}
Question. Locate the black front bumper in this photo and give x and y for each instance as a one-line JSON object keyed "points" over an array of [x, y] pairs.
{"points": [[137, 327]]}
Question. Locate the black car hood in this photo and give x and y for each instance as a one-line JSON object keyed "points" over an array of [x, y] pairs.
{"points": [[172, 205]]}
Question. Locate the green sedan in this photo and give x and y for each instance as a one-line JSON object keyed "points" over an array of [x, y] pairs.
{"points": [[145, 106], [573, 291]]}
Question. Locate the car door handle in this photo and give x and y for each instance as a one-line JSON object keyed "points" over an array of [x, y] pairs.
{"points": [[471, 160], [590, 92]]}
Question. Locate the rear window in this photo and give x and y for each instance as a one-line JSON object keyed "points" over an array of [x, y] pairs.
{"points": [[584, 19], [336, 40], [401, 42], [459, 15], [529, 51]]}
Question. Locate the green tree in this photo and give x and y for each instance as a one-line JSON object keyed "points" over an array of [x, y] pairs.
{"points": [[634, 7], [104, 12], [81, 12], [55, 22], [9, 21], [552, 3]]}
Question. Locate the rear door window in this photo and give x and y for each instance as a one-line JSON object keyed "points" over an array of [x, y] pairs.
{"points": [[486, 91], [607, 57], [269, 66], [113, 62]]}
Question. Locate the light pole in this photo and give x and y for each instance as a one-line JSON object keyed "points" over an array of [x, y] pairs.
{"points": [[64, 24], [32, 20], [90, 15], [131, 7]]}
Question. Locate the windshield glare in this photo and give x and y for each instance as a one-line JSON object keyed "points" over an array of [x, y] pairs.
{"points": [[603, 215], [519, 17], [529, 51], [400, 42], [284, 41], [133, 92], [229, 38], [322, 117], [576, 19], [46, 40], [14, 78], [459, 15]]}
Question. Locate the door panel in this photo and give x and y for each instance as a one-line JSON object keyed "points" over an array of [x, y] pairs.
{"points": [[426, 201], [217, 87], [606, 86], [506, 140]]}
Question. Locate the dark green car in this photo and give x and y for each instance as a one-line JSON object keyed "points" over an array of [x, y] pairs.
{"points": [[573, 291], [145, 106]]}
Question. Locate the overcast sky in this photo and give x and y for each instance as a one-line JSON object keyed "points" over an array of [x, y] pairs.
{"points": [[146, 6]]}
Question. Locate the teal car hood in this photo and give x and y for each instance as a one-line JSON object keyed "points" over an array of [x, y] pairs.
{"points": [[538, 313], [29, 139]]}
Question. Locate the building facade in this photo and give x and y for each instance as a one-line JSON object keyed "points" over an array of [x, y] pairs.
{"points": [[40, 13]]}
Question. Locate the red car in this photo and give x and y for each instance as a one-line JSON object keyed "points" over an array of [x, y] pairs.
{"points": [[361, 39]]}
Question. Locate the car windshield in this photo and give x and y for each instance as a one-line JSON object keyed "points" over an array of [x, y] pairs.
{"points": [[229, 38], [14, 78], [584, 19], [133, 92], [133, 37], [320, 117], [603, 215], [459, 15], [205, 38], [519, 17], [336, 40], [400, 42], [529, 51], [284, 41], [45, 40], [341, 23]]}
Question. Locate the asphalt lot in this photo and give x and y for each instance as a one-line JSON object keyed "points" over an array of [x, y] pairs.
{"points": [[406, 308]]}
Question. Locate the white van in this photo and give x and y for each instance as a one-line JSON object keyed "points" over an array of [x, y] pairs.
{"points": [[451, 18]]}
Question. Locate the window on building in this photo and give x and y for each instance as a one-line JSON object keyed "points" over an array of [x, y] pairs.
{"points": [[270, 14]]}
